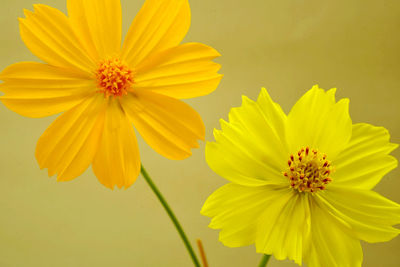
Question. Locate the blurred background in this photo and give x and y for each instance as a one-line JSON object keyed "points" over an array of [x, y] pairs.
{"points": [[286, 46]]}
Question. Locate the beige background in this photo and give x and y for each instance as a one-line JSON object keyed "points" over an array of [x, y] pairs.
{"points": [[286, 46]]}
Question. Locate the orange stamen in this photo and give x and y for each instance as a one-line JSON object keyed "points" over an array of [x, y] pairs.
{"points": [[114, 78]]}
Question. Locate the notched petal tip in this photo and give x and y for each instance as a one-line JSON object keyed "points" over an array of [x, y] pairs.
{"points": [[21, 20], [344, 104], [247, 101], [223, 124], [332, 90], [264, 95], [210, 51], [213, 53], [264, 91], [216, 134], [38, 7], [218, 76], [345, 101], [111, 187], [394, 146], [395, 163], [315, 87], [27, 14]]}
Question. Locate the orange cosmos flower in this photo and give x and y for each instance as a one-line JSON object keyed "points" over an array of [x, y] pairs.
{"points": [[104, 89]]}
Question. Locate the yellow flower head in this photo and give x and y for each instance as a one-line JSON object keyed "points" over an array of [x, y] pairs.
{"points": [[301, 184], [104, 89]]}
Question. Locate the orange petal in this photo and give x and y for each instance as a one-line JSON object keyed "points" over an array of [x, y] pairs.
{"points": [[98, 25], [48, 34], [168, 125], [38, 90], [117, 161], [68, 146], [159, 25], [183, 71]]}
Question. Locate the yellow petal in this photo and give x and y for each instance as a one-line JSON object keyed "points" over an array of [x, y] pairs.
{"points": [[274, 116], [236, 209], [369, 216], [284, 226], [237, 161], [331, 246], [159, 25], [68, 146], [183, 71], [365, 160], [117, 160], [318, 122], [38, 90], [249, 150], [48, 34], [98, 25], [168, 125], [264, 123]]}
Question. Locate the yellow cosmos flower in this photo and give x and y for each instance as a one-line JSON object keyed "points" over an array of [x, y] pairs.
{"points": [[301, 184], [104, 89]]}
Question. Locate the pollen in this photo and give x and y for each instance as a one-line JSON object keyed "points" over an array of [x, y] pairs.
{"points": [[308, 170], [114, 78]]}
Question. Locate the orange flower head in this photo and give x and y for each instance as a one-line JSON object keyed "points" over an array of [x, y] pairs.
{"points": [[103, 89]]}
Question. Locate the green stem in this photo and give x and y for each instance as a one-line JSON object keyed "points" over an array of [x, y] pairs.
{"points": [[264, 260], [171, 216]]}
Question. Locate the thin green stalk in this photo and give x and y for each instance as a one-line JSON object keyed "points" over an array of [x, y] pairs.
{"points": [[171, 216], [264, 260]]}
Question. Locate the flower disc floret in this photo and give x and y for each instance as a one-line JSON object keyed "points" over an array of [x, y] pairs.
{"points": [[308, 171], [114, 78]]}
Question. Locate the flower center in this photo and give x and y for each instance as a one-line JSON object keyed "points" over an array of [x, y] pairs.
{"points": [[308, 171], [114, 78]]}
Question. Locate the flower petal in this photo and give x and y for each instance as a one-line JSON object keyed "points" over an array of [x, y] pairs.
{"points": [[117, 161], [168, 125], [331, 245], [159, 25], [249, 150], [365, 160], [183, 71], [39, 90], [48, 34], [369, 216], [68, 146], [98, 25], [284, 226], [318, 122], [236, 209]]}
